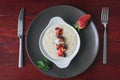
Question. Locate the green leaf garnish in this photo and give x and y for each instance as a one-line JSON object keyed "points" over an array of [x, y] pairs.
{"points": [[76, 27], [43, 64]]}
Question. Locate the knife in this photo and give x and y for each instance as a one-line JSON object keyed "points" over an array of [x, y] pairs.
{"points": [[20, 35]]}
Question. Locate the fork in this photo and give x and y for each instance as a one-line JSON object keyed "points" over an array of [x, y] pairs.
{"points": [[104, 20]]}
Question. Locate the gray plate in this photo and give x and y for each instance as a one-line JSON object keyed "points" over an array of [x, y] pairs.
{"points": [[89, 41]]}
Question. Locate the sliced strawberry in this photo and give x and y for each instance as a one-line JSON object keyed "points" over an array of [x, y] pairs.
{"points": [[83, 21], [59, 31], [62, 49], [62, 45], [60, 53], [57, 47]]}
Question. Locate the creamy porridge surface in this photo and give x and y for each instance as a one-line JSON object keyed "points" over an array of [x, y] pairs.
{"points": [[50, 36]]}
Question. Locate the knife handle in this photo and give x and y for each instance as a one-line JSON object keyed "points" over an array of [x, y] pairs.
{"points": [[20, 63]]}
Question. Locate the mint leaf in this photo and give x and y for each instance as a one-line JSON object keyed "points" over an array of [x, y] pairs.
{"points": [[43, 64]]}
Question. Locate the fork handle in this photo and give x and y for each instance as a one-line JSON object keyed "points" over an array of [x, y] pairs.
{"points": [[105, 47], [20, 62]]}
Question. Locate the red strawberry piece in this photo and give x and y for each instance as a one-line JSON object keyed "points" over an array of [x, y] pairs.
{"points": [[58, 46], [59, 31], [60, 53], [83, 21], [62, 45], [62, 49]]}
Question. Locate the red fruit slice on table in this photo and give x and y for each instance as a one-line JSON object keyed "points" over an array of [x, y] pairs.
{"points": [[82, 21]]}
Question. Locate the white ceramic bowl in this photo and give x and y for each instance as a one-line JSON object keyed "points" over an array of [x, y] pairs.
{"points": [[63, 62]]}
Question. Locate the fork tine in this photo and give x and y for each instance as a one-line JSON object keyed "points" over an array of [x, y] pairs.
{"points": [[104, 14], [107, 12]]}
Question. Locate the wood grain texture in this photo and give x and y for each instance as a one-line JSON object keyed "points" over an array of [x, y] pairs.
{"points": [[9, 10]]}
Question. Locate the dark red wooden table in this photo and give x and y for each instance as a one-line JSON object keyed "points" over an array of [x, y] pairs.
{"points": [[9, 42]]}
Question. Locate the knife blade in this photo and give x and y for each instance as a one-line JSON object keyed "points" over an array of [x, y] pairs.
{"points": [[20, 35]]}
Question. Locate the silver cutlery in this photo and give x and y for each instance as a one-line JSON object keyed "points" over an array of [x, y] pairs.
{"points": [[20, 35], [104, 20]]}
